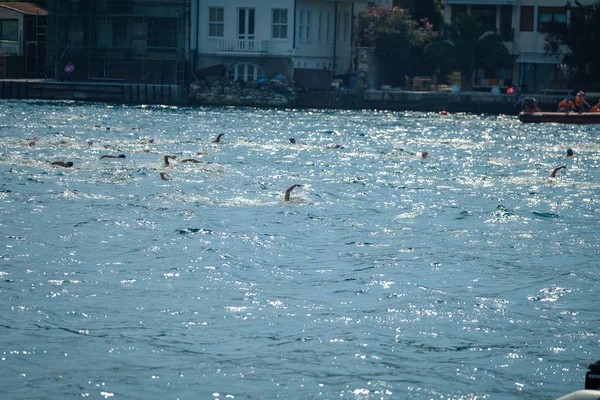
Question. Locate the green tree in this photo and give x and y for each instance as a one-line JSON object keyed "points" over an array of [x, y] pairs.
{"points": [[578, 41], [465, 46], [431, 10], [399, 40]]}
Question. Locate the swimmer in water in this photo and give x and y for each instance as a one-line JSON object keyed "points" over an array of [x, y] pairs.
{"points": [[424, 154], [167, 159], [111, 156], [337, 146], [294, 141], [67, 164], [569, 152], [165, 177], [218, 139], [191, 160], [553, 174], [289, 190]]}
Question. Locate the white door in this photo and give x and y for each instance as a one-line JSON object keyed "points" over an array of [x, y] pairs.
{"points": [[246, 28]]}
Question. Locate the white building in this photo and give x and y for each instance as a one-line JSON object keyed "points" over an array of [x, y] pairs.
{"points": [[518, 22], [309, 40]]}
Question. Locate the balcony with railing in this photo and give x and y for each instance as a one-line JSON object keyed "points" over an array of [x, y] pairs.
{"points": [[9, 48], [242, 46]]}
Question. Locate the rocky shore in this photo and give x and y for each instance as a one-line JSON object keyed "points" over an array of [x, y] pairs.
{"points": [[217, 90]]}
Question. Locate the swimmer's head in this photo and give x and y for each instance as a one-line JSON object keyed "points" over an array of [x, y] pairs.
{"points": [[424, 154], [150, 140], [569, 152], [121, 155], [292, 140], [69, 164]]}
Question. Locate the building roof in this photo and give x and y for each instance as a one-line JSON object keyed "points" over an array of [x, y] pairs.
{"points": [[23, 7]]}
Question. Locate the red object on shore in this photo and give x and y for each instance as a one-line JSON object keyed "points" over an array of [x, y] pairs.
{"points": [[510, 90]]}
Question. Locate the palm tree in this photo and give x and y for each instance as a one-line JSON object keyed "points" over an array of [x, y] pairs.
{"points": [[467, 45]]}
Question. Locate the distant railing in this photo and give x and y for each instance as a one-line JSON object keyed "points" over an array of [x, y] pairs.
{"points": [[9, 48], [243, 46]]}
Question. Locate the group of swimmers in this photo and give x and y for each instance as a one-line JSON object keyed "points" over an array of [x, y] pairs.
{"points": [[580, 104], [165, 176]]}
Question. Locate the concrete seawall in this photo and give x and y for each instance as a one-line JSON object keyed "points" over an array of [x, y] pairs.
{"points": [[92, 91], [398, 100]]}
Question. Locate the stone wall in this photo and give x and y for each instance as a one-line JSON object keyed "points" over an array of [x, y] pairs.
{"points": [[216, 90], [368, 68]]}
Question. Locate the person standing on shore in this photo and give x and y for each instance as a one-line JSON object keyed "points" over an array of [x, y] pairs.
{"points": [[69, 68]]}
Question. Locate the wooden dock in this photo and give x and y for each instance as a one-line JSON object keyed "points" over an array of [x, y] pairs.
{"points": [[125, 93]]}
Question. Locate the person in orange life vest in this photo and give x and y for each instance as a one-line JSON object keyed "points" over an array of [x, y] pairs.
{"points": [[596, 108], [580, 102], [566, 104]]}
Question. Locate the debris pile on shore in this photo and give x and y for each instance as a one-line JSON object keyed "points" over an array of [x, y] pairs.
{"points": [[218, 90]]}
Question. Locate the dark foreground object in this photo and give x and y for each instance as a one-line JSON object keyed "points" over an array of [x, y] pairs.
{"points": [[560, 117]]}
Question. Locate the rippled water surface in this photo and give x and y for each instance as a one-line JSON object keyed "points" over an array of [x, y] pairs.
{"points": [[469, 274]]}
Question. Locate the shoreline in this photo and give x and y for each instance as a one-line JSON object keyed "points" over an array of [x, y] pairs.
{"points": [[393, 100]]}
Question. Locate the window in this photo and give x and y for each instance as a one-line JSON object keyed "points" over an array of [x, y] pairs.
{"points": [[216, 22], [119, 32], [487, 15], [301, 26], [280, 23], [245, 72], [304, 25], [506, 31], [328, 27], [561, 72], [552, 14], [338, 19], [527, 19], [104, 32], [308, 23], [76, 32], [346, 26], [162, 32], [8, 29], [320, 26]]}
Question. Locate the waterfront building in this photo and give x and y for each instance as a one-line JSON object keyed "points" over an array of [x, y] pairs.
{"points": [[311, 41], [22, 40], [134, 41], [519, 24]]}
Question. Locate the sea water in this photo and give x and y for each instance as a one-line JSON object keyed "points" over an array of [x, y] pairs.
{"points": [[470, 273]]}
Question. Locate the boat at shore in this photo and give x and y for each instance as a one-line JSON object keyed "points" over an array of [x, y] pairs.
{"points": [[561, 117]]}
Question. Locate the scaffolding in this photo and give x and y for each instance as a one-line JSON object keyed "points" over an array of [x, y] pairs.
{"points": [[35, 45], [135, 41]]}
